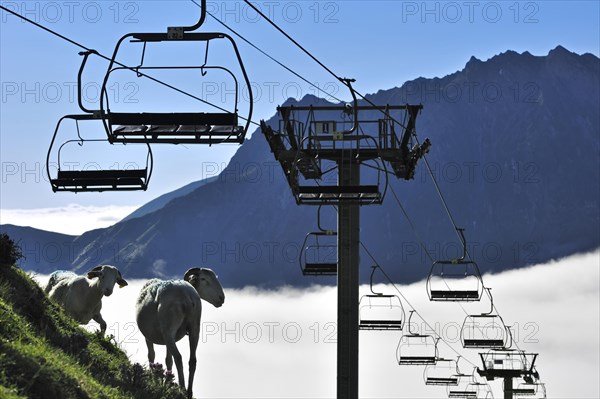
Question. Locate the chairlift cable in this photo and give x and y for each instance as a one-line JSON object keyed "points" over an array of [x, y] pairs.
{"points": [[439, 191], [370, 102], [494, 308], [268, 55], [405, 299], [133, 69], [411, 306], [259, 12], [421, 242]]}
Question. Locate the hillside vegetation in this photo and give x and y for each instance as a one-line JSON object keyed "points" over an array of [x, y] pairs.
{"points": [[45, 354]]}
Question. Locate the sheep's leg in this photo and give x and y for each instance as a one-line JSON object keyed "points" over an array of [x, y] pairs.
{"points": [[151, 353], [172, 348], [169, 361], [169, 320], [98, 319], [194, 333]]}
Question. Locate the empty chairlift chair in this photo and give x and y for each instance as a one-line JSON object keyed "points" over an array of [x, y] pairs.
{"points": [[82, 176], [380, 312], [485, 330], [444, 372], [457, 280], [484, 391], [177, 127], [469, 387], [318, 256], [464, 387], [530, 389], [416, 349]]}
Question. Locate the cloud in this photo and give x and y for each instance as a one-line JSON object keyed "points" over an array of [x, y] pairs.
{"points": [[281, 344], [71, 219]]}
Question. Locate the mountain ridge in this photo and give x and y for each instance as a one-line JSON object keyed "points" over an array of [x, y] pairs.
{"points": [[498, 129]]}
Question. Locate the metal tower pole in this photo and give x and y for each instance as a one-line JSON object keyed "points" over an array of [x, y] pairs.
{"points": [[508, 388], [347, 284]]}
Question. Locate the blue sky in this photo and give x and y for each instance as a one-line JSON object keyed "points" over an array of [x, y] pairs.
{"points": [[381, 44]]}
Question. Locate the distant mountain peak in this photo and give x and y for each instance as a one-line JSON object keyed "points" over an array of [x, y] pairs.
{"points": [[474, 61], [308, 99], [498, 129], [560, 50]]}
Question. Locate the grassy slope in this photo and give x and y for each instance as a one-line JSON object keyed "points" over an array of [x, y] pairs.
{"points": [[45, 354]]}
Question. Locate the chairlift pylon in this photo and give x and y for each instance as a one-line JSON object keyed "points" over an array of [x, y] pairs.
{"points": [[378, 311], [176, 127], [507, 363], [311, 143], [456, 280]]}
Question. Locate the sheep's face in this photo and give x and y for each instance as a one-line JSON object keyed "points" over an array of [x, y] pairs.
{"points": [[206, 283], [107, 276]]}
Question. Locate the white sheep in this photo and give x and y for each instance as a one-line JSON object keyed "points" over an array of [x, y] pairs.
{"points": [[168, 310], [81, 296]]}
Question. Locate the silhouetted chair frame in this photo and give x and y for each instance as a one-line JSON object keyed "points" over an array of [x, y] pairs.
{"points": [[175, 127]]}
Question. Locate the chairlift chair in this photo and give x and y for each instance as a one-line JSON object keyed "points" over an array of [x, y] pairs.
{"points": [[86, 179], [380, 312], [94, 180], [485, 330], [469, 387], [456, 280], [416, 349], [529, 390], [443, 372], [484, 391], [177, 127], [317, 258], [464, 387], [318, 255]]}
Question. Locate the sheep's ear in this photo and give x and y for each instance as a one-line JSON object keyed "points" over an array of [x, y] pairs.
{"points": [[121, 282], [95, 272], [191, 272]]}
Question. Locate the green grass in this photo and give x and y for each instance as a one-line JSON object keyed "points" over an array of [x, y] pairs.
{"points": [[45, 354]]}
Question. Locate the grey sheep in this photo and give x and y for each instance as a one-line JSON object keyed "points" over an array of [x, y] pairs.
{"points": [[81, 296], [168, 310]]}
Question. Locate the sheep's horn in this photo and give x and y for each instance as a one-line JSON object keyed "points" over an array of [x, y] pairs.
{"points": [[193, 270]]}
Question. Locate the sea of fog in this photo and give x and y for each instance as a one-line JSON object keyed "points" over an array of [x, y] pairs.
{"points": [[281, 344]]}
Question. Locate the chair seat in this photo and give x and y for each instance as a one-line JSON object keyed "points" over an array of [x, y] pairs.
{"points": [[100, 180]]}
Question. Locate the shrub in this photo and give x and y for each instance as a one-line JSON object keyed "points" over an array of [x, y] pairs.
{"points": [[10, 252]]}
